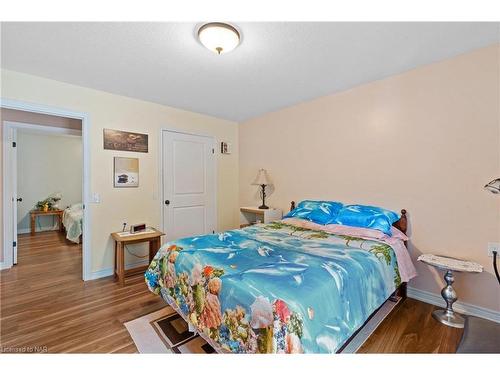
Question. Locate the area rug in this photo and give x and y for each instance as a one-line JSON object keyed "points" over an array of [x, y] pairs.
{"points": [[164, 331]]}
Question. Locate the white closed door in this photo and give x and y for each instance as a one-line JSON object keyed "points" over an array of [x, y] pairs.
{"points": [[188, 185]]}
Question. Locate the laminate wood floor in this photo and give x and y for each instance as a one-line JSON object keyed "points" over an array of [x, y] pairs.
{"points": [[410, 328], [44, 303]]}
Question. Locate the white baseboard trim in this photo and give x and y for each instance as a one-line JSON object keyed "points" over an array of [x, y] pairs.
{"points": [[4, 266], [460, 307], [38, 230], [110, 271]]}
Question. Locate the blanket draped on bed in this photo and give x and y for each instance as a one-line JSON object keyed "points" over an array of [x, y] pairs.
{"points": [[72, 221], [275, 288]]}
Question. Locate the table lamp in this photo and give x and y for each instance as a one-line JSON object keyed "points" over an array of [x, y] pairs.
{"points": [[262, 180]]}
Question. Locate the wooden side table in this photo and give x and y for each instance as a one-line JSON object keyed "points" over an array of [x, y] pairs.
{"points": [[122, 239], [35, 213], [449, 265]]}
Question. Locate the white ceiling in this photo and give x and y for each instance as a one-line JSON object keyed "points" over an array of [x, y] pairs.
{"points": [[277, 64]]}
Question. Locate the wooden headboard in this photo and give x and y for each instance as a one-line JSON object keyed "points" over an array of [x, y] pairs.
{"points": [[401, 224]]}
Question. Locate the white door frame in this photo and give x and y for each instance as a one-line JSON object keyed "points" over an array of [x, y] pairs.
{"points": [[7, 193], [160, 173], [12, 134]]}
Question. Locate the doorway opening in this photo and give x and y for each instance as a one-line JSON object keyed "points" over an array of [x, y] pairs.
{"points": [[44, 187]]}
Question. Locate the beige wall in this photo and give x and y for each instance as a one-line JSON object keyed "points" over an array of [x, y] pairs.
{"points": [[116, 112], [426, 140], [47, 164]]}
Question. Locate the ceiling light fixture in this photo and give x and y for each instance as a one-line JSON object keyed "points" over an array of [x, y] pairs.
{"points": [[219, 37]]}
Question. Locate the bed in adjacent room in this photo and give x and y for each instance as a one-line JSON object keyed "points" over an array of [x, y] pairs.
{"points": [[292, 286], [72, 221]]}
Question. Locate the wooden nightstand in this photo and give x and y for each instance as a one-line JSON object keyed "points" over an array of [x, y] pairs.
{"points": [[252, 215], [152, 236]]}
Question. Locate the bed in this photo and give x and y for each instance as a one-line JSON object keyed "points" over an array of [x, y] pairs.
{"points": [[284, 287], [72, 221]]}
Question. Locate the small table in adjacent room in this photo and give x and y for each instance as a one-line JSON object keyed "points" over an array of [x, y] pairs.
{"points": [[34, 213], [150, 235], [449, 265]]}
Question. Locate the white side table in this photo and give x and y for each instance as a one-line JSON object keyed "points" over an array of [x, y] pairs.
{"points": [[252, 215], [449, 265]]}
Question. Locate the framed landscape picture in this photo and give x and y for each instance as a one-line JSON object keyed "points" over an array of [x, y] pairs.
{"points": [[125, 141], [126, 172]]}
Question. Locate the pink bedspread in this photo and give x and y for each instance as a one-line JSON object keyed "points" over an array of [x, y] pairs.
{"points": [[407, 270]]}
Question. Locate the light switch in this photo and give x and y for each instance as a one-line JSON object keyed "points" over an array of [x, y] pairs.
{"points": [[96, 198]]}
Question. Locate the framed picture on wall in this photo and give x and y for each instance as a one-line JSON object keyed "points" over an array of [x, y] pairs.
{"points": [[125, 141], [126, 172]]}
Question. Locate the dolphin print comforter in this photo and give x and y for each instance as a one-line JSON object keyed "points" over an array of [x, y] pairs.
{"points": [[275, 288]]}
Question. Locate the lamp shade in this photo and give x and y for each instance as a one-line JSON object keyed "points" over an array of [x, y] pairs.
{"points": [[262, 178], [493, 186]]}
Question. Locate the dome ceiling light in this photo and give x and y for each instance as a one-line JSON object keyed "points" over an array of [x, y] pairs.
{"points": [[219, 37]]}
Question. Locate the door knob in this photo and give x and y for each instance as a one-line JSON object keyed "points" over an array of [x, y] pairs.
{"points": [[167, 202], [19, 199]]}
